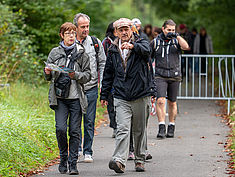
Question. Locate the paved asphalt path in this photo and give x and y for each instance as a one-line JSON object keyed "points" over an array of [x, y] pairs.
{"points": [[196, 151]]}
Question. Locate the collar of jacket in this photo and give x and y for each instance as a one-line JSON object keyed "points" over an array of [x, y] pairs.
{"points": [[116, 49], [116, 41], [80, 50], [162, 37], [80, 47]]}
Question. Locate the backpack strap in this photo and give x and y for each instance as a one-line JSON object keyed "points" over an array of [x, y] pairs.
{"points": [[175, 42], [156, 44], [96, 47]]}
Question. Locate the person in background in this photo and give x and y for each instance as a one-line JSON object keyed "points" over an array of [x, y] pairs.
{"points": [[138, 23], [187, 35], [66, 94], [196, 64], [97, 63], [156, 31], [125, 70], [148, 31], [203, 45], [194, 34], [107, 41]]}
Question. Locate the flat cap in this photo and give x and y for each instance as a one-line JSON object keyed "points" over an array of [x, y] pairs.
{"points": [[122, 22]]}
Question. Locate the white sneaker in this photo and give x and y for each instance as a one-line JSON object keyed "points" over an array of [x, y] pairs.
{"points": [[80, 154], [88, 158]]}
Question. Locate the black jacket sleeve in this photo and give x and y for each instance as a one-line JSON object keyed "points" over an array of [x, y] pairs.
{"points": [[141, 47], [152, 49], [108, 77]]}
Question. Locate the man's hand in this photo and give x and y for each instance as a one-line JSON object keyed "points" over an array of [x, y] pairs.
{"points": [[71, 75], [127, 45], [47, 70], [103, 103]]}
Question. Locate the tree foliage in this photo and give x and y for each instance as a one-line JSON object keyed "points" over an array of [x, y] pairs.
{"points": [[18, 57], [32, 28], [217, 16], [42, 19]]}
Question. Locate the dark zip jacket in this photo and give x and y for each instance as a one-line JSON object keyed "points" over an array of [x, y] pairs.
{"points": [[166, 55], [131, 79]]}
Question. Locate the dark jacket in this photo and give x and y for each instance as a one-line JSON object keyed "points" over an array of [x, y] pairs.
{"points": [[106, 44], [131, 79], [166, 55]]}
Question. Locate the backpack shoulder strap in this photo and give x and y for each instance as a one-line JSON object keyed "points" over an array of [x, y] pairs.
{"points": [[175, 43], [96, 46], [156, 44]]}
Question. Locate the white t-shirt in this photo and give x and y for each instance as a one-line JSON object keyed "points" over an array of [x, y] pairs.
{"points": [[124, 52]]}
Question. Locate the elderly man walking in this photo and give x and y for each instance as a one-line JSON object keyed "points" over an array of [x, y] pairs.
{"points": [[127, 70]]}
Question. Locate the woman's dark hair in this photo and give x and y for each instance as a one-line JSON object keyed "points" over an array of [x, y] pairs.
{"points": [[202, 29], [145, 29], [194, 29], [110, 31], [157, 30]]}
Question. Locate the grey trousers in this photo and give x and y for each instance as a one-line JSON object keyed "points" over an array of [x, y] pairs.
{"points": [[131, 113]]}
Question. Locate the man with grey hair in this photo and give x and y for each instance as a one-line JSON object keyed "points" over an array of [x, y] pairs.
{"points": [[138, 23], [127, 70], [97, 63]]}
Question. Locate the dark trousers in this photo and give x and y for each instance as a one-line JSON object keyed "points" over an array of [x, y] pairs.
{"points": [[131, 146], [68, 109], [89, 121], [111, 112]]}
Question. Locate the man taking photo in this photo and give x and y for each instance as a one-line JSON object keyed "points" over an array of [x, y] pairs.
{"points": [[166, 49]]}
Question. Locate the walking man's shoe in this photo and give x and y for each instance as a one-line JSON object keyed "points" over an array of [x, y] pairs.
{"points": [[118, 167], [162, 131], [73, 169], [139, 167], [63, 166], [131, 156], [148, 156], [88, 158], [170, 131]]}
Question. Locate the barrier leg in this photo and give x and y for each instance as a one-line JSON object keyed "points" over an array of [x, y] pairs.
{"points": [[228, 109]]}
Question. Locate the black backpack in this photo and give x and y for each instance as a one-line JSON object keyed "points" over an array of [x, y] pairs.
{"points": [[96, 47]]}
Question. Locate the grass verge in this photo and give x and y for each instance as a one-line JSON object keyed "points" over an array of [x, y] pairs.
{"points": [[27, 129], [231, 139]]}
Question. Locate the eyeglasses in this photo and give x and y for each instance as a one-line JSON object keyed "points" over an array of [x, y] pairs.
{"points": [[70, 33]]}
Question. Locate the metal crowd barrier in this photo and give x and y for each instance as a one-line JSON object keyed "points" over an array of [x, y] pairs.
{"points": [[207, 77]]}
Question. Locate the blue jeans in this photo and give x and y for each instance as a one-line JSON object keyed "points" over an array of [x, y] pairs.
{"points": [[89, 121]]}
